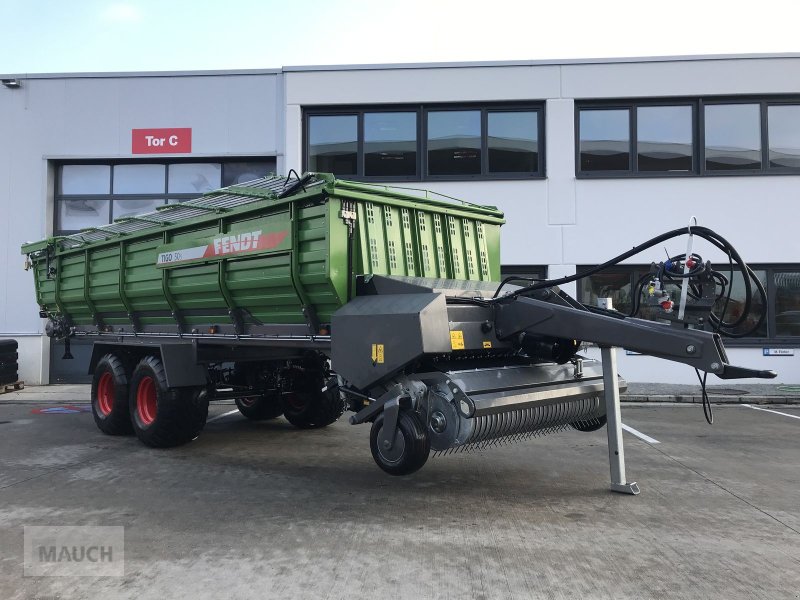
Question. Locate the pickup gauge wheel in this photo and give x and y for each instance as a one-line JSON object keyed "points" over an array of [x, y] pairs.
{"points": [[110, 396], [409, 450], [164, 416]]}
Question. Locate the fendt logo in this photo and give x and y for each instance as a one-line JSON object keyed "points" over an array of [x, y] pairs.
{"points": [[225, 245], [236, 243]]}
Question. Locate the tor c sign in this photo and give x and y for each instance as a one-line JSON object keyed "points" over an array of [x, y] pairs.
{"points": [[162, 141]]}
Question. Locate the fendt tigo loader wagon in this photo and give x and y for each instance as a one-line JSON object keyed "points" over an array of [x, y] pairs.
{"points": [[307, 296]]}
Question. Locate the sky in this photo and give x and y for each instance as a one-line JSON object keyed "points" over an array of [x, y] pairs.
{"points": [[44, 36]]}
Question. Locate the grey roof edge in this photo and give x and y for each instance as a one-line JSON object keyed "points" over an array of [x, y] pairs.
{"points": [[119, 74], [399, 66], [544, 62]]}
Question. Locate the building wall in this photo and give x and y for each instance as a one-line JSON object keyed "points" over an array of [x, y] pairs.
{"points": [[56, 118], [563, 221], [559, 221]]}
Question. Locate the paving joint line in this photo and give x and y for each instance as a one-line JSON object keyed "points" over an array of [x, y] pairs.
{"points": [[723, 488]]}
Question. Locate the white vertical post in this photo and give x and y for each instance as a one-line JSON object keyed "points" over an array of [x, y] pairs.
{"points": [[616, 452]]}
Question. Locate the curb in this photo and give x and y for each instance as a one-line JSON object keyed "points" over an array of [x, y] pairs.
{"points": [[698, 399]]}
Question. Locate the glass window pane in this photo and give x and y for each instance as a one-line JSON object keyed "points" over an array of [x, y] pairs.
{"points": [[784, 136], [126, 208], [194, 178], [733, 136], [664, 138], [736, 305], [454, 142], [609, 284], [605, 140], [513, 142], [787, 304], [390, 144], [333, 144], [79, 214], [139, 179], [85, 179], [240, 172]]}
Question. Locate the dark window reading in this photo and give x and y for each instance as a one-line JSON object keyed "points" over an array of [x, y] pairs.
{"points": [[783, 292], [513, 140], [390, 144], [664, 138], [333, 144], [733, 137], [422, 142], [454, 142], [784, 136], [605, 140], [91, 195], [702, 136]]}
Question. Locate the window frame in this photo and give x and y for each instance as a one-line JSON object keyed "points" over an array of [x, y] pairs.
{"points": [[421, 111], [59, 196], [698, 105], [770, 269]]}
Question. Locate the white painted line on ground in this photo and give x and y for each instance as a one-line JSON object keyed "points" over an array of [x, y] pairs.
{"points": [[640, 435], [777, 412], [230, 412]]}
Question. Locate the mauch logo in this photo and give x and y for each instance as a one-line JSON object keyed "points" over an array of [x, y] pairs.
{"points": [[57, 554], [74, 551]]}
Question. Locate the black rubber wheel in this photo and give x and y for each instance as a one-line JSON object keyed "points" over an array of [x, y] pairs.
{"points": [[8, 367], [9, 378], [161, 416], [590, 425], [411, 445], [110, 396], [261, 408], [8, 346], [308, 407]]}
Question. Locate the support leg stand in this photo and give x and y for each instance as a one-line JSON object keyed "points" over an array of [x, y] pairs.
{"points": [[616, 452]]}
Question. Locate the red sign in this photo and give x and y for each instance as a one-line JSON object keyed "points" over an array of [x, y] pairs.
{"points": [[162, 141]]}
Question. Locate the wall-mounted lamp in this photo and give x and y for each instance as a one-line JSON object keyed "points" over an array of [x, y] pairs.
{"points": [[12, 84]]}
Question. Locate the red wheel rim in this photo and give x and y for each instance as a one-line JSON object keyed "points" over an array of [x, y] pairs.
{"points": [[297, 401], [146, 400], [105, 394]]}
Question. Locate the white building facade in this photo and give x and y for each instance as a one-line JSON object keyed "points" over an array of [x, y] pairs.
{"points": [[586, 159]]}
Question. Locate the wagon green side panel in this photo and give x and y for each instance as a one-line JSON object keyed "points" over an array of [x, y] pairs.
{"points": [[72, 283], [194, 288], [104, 285], [142, 282], [273, 251], [321, 257]]}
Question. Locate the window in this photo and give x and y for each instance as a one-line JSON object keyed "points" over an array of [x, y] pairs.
{"points": [[696, 136], [733, 137], [784, 136], [605, 140], [390, 144], [526, 273], [333, 144], [426, 142], [454, 142], [513, 141], [664, 138], [782, 283], [787, 303], [91, 195]]}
